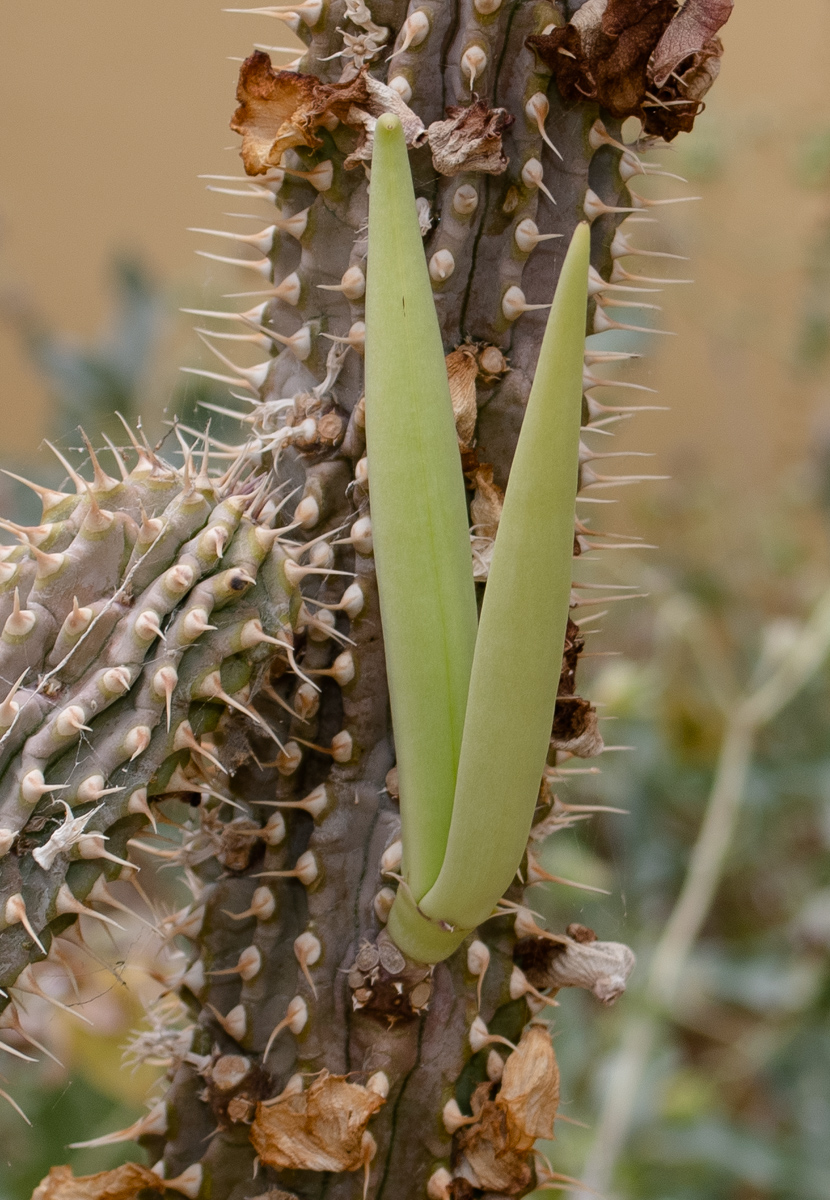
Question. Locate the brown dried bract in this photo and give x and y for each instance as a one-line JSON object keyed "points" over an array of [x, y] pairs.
{"points": [[122, 1183], [575, 728], [320, 1129], [530, 1085], [462, 369], [487, 503], [574, 645], [621, 53], [599, 967], [493, 1150], [470, 140], [485, 512], [281, 109]]}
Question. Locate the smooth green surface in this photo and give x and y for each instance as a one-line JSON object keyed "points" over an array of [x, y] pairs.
{"points": [[419, 514], [521, 633]]}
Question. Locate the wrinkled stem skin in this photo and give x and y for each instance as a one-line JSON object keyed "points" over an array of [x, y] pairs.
{"points": [[424, 1056]]}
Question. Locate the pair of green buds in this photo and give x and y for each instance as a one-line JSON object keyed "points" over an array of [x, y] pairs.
{"points": [[472, 698]]}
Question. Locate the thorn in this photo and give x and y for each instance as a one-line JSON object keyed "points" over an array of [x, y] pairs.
{"points": [[262, 241], [263, 266], [234, 1023], [532, 177], [153, 1122], [49, 498], [537, 110], [356, 337], [307, 951], [295, 1019], [14, 1022], [91, 846], [620, 247], [101, 481], [164, 684], [15, 1106], [15, 913], [514, 304], [414, 29], [644, 202], [185, 739], [602, 323], [119, 458], [527, 235], [101, 894], [251, 377], [33, 987], [618, 272], [10, 708], [593, 207], [320, 177], [306, 871], [536, 873], [255, 314], [80, 484]]}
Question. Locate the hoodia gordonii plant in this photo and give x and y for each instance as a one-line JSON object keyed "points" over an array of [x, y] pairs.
{"points": [[364, 980]]}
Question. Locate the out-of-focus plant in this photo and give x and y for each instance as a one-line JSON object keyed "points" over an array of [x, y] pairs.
{"points": [[716, 1084], [90, 382]]}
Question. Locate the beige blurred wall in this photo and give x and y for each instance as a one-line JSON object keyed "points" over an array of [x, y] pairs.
{"points": [[110, 109]]}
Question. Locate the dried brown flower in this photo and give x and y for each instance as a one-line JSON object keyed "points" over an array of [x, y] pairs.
{"points": [[622, 52], [600, 967], [320, 1129], [493, 1149], [281, 109], [470, 139]]}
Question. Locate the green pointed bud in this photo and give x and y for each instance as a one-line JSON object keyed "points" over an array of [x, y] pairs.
{"points": [[419, 514]]}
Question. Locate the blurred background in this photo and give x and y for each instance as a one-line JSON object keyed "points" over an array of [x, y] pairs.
{"points": [[108, 113]]}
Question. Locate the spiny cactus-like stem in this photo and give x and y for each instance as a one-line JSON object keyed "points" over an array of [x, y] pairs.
{"points": [[211, 631]]}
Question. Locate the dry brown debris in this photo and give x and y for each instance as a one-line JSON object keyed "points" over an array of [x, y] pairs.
{"points": [[320, 1129], [575, 728], [470, 140], [638, 58], [491, 1152], [462, 370], [122, 1183]]}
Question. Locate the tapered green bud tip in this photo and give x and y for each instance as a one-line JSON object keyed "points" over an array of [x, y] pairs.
{"points": [[388, 124]]}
